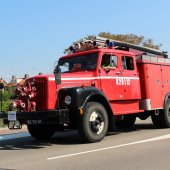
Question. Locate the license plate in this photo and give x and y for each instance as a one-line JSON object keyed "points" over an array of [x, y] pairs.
{"points": [[34, 122], [12, 116]]}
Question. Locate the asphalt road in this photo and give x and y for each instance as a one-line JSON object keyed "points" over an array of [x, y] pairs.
{"points": [[141, 148]]}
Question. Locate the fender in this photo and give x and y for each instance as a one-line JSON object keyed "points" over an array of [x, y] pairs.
{"points": [[80, 96]]}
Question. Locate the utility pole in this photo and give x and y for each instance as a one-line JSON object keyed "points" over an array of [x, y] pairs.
{"points": [[1, 90]]}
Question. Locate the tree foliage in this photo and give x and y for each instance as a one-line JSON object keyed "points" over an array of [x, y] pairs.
{"points": [[149, 43], [130, 38], [6, 93], [5, 96]]}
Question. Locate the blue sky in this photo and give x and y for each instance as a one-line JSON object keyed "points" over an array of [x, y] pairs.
{"points": [[34, 33]]}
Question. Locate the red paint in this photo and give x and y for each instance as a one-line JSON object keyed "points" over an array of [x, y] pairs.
{"points": [[124, 89]]}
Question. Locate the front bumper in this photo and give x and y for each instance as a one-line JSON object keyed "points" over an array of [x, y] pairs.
{"points": [[40, 117]]}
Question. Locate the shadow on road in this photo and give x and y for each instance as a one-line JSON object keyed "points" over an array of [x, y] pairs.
{"points": [[64, 138], [145, 126], [22, 143], [60, 138], [136, 127]]}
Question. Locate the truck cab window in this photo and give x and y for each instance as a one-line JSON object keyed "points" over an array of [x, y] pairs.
{"points": [[78, 63], [109, 61], [127, 63]]}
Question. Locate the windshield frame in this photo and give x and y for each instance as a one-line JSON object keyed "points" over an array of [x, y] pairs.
{"points": [[76, 61]]}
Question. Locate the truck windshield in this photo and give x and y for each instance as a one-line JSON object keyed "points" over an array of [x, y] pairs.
{"points": [[78, 63]]}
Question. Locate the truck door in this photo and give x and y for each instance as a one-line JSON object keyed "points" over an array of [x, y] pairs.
{"points": [[128, 82], [110, 69]]}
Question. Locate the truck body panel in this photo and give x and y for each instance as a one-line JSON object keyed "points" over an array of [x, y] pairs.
{"points": [[154, 82]]}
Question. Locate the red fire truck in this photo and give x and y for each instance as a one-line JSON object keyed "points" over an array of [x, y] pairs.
{"points": [[100, 85]]}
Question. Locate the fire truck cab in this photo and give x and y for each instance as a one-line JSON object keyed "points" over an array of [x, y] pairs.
{"points": [[100, 85]]}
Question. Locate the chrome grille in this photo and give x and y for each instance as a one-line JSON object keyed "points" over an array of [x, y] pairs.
{"points": [[41, 94]]}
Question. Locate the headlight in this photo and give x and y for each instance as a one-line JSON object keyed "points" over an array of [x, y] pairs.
{"points": [[67, 100]]}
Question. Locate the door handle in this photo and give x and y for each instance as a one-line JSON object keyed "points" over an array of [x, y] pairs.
{"points": [[117, 73]]}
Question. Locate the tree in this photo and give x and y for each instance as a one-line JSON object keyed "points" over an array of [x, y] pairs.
{"points": [[130, 38], [5, 96], [149, 43]]}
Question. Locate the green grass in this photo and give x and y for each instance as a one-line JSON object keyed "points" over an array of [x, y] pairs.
{"points": [[5, 105], [1, 123]]}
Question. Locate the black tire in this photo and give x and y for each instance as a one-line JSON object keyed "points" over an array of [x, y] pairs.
{"points": [[93, 124], [18, 125], [127, 122], [11, 124], [162, 120], [41, 132], [156, 119]]}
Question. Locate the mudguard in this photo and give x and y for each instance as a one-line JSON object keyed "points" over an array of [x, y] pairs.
{"points": [[82, 95], [79, 96]]}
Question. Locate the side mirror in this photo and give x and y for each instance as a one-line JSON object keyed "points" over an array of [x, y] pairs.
{"points": [[57, 73], [1, 86]]}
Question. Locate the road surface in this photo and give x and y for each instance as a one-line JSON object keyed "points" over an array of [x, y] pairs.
{"points": [[141, 148]]}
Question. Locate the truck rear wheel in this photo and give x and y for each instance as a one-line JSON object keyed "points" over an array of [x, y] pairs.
{"points": [[41, 132], [93, 124], [162, 120], [127, 122]]}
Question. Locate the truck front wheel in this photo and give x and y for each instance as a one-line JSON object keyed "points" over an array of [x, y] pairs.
{"points": [[93, 124], [41, 132]]}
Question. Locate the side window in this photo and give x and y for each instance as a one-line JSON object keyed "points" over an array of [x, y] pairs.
{"points": [[109, 61], [127, 63]]}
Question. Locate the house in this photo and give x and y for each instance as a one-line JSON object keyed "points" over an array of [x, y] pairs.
{"points": [[21, 81], [14, 81]]}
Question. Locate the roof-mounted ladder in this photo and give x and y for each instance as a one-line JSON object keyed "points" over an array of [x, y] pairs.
{"points": [[128, 46]]}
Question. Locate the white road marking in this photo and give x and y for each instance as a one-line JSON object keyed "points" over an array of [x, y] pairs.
{"points": [[112, 147], [14, 136]]}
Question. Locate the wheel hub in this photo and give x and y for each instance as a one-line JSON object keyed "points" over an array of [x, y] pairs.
{"points": [[96, 122]]}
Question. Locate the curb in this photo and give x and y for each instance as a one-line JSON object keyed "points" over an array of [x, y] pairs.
{"points": [[6, 131]]}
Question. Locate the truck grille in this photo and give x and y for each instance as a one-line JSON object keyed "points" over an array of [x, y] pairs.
{"points": [[41, 94]]}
